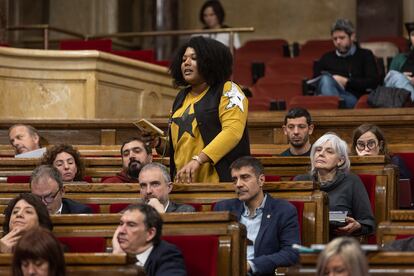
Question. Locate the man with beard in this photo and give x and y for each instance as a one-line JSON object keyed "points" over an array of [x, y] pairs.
{"points": [[135, 154], [297, 127], [348, 71], [156, 185]]}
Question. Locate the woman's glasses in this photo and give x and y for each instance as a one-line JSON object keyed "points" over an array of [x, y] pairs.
{"points": [[371, 144]]}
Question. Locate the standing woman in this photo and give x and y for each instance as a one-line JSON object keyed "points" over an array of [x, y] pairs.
{"points": [[212, 17], [209, 115]]}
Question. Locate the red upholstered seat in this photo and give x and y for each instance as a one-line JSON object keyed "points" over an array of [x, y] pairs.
{"points": [[18, 179], [362, 102], [316, 48], [314, 102], [83, 244], [96, 209], [299, 207], [117, 207], [369, 181], [142, 55], [87, 179], [408, 158], [200, 253], [104, 45], [272, 178]]}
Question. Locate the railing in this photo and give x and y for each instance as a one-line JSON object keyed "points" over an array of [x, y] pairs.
{"points": [[47, 28]]}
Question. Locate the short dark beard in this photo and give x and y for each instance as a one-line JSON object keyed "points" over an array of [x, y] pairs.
{"points": [[134, 167]]}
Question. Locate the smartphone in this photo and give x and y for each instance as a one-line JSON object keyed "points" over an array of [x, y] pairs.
{"points": [[146, 126]]}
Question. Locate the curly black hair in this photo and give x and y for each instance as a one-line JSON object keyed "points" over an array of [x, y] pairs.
{"points": [[214, 61], [51, 153]]}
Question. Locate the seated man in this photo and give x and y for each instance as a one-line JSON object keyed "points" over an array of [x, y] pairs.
{"points": [[139, 233], [272, 224], [135, 154], [47, 184], [297, 127], [349, 70], [401, 74], [26, 141], [155, 183]]}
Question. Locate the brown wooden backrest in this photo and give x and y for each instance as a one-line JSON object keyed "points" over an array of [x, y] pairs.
{"points": [[380, 263], [232, 235], [400, 223], [315, 202], [87, 264]]}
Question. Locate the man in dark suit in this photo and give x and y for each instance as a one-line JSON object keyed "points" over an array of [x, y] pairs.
{"points": [[47, 184], [272, 224], [155, 182], [139, 234]]}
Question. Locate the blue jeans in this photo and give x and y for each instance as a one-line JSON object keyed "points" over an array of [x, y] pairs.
{"points": [[396, 79], [328, 86]]}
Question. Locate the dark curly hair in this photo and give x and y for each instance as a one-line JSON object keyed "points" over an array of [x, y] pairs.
{"points": [[214, 61], [51, 153], [40, 208], [217, 8]]}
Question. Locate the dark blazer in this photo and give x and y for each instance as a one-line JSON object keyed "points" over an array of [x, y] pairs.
{"points": [[72, 207], [279, 229], [176, 208], [165, 260]]}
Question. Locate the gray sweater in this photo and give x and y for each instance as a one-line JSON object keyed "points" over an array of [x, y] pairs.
{"points": [[347, 193]]}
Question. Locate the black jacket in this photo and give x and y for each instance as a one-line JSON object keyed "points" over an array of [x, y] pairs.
{"points": [[165, 260], [72, 207], [207, 114]]}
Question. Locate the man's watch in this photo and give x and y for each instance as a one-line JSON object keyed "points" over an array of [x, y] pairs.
{"points": [[198, 159]]}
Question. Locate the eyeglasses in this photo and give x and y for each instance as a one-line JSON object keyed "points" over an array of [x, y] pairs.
{"points": [[50, 198], [371, 144]]}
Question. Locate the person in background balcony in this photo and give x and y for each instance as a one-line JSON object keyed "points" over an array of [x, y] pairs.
{"points": [[212, 17]]}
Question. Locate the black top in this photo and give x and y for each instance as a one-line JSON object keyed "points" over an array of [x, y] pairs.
{"points": [[360, 68], [289, 153]]}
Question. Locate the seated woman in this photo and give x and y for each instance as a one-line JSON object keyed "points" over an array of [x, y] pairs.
{"points": [[330, 167], [39, 253], [368, 139], [67, 160], [23, 213], [342, 256]]}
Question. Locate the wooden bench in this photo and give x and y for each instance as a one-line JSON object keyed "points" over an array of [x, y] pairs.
{"points": [[315, 204], [400, 224], [380, 263], [231, 257], [87, 264], [264, 127]]}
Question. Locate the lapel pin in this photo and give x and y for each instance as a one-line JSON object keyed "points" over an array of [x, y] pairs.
{"points": [[268, 216]]}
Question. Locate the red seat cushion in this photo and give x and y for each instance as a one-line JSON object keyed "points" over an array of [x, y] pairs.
{"points": [[104, 45], [83, 244], [87, 179], [272, 178], [96, 209], [18, 179], [117, 207], [369, 181], [300, 205], [142, 55], [200, 260]]}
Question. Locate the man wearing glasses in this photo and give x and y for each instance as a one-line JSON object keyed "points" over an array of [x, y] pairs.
{"points": [[47, 184]]}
